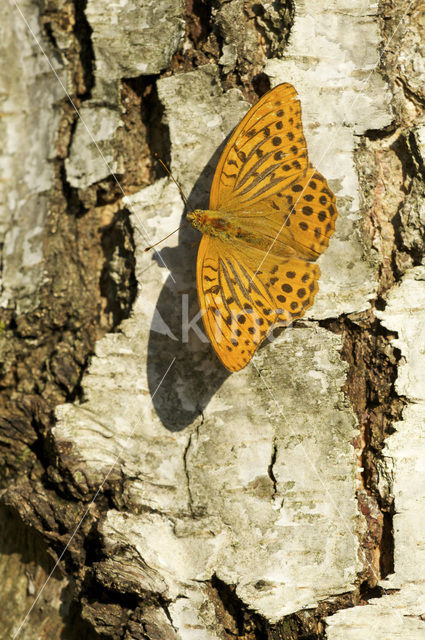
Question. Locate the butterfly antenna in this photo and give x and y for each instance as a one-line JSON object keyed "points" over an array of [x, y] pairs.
{"points": [[162, 239], [182, 195], [173, 179]]}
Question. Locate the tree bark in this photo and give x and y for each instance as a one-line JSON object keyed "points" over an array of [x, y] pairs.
{"points": [[146, 492]]}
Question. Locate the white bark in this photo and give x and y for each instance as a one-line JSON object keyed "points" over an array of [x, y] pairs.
{"points": [[28, 130]]}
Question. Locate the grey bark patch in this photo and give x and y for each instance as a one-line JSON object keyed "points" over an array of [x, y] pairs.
{"points": [[93, 156], [28, 130], [132, 39]]}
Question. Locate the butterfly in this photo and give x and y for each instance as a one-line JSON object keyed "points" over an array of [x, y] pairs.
{"points": [[270, 217]]}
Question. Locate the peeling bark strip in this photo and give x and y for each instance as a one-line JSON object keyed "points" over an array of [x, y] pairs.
{"points": [[233, 512]]}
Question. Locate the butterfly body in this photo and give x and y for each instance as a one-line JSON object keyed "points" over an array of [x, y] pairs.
{"points": [[212, 223], [226, 226], [270, 217], [234, 227]]}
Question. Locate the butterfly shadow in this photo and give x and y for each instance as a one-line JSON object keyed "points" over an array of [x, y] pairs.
{"points": [[177, 333]]}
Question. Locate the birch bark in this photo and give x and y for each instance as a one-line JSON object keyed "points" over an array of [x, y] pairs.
{"points": [[278, 502]]}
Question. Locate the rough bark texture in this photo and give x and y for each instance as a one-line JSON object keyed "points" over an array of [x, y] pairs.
{"points": [[278, 503]]}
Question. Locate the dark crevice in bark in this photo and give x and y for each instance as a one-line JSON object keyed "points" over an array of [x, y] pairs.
{"points": [[186, 472], [386, 548], [210, 27], [69, 34], [261, 84], [83, 33], [118, 282], [93, 590], [76, 394], [275, 34], [198, 21], [236, 619], [112, 610], [378, 134], [38, 447], [270, 469], [404, 153], [26, 546], [411, 95], [367, 592], [152, 115], [373, 369], [74, 206], [417, 157], [409, 235], [48, 30], [307, 624], [75, 627], [200, 44]]}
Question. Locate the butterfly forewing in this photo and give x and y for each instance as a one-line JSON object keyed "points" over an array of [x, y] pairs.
{"points": [[265, 153], [301, 217], [241, 303]]}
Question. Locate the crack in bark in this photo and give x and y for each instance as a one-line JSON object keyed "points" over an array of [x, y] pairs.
{"points": [[153, 118], [200, 45], [270, 468], [239, 622], [83, 32], [370, 382], [186, 472], [118, 282]]}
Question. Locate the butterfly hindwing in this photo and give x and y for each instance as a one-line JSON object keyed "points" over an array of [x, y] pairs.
{"points": [[240, 303], [265, 153]]}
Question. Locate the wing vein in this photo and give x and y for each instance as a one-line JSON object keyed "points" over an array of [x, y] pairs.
{"points": [[230, 283]]}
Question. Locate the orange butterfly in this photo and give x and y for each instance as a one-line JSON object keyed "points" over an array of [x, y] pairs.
{"points": [[271, 215]]}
